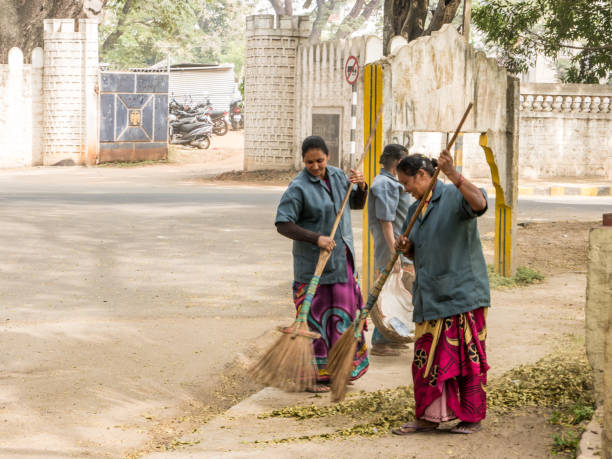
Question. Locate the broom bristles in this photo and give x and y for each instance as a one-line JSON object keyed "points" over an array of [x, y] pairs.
{"points": [[289, 363], [340, 363], [261, 370]]}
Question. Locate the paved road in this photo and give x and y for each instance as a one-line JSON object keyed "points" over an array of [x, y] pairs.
{"points": [[123, 292], [116, 284]]}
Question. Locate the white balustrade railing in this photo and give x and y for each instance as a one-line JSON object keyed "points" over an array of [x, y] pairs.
{"points": [[570, 98]]}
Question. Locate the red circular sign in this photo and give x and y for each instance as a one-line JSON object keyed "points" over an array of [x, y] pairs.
{"points": [[351, 69]]}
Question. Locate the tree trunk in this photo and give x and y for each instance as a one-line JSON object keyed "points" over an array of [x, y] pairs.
{"points": [[414, 25], [21, 22], [324, 10], [114, 36], [444, 14], [408, 18], [281, 8], [361, 12], [395, 13], [289, 7]]}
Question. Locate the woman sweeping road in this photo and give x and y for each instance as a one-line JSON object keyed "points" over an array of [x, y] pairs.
{"points": [[306, 214], [450, 297]]}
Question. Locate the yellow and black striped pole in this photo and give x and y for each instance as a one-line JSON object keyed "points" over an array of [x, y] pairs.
{"points": [[373, 99]]}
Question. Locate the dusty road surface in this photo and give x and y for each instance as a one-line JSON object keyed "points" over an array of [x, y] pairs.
{"points": [[129, 297]]}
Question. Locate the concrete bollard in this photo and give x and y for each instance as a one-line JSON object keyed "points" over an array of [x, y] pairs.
{"points": [[599, 322]]}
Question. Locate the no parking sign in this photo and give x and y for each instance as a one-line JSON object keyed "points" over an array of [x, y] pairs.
{"points": [[351, 70]]}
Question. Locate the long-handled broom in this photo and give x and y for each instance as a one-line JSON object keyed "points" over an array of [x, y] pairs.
{"points": [[289, 363], [340, 362]]}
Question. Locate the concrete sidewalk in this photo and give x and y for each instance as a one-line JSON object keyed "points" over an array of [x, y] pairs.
{"points": [[566, 187], [242, 432]]}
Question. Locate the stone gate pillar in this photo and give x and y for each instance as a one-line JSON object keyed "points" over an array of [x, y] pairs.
{"points": [[270, 85], [70, 85]]}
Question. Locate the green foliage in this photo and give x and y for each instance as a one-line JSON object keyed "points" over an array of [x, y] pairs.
{"points": [[522, 277], [565, 442], [139, 33], [578, 30], [527, 276], [574, 415], [573, 419]]}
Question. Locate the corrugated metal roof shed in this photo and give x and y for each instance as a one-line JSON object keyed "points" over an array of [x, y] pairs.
{"points": [[203, 82]]}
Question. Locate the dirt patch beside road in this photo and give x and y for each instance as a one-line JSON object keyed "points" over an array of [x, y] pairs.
{"points": [[271, 177], [223, 392], [551, 247]]}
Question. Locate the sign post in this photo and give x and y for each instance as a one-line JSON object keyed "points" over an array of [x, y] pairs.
{"points": [[351, 73], [351, 70]]}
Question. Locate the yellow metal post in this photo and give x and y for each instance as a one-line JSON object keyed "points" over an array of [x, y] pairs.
{"points": [[503, 217], [372, 93], [459, 152]]}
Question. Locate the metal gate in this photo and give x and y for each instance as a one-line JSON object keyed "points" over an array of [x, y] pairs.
{"points": [[133, 116]]}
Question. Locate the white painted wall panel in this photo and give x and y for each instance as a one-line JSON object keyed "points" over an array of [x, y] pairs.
{"points": [[216, 84]]}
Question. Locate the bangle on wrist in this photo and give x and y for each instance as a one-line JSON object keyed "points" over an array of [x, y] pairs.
{"points": [[460, 181]]}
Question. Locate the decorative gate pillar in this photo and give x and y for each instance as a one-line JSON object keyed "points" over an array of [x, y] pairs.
{"points": [[70, 85], [269, 86]]}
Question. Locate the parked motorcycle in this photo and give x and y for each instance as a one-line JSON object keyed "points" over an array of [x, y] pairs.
{"points": [[204, 112], [220, 121], [236, 114], [195, 131]]}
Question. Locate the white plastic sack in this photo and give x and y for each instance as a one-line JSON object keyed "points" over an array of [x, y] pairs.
{"points": [[395, 304]]}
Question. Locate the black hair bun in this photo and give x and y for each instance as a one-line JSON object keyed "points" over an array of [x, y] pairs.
{"points": [[434, 162]]}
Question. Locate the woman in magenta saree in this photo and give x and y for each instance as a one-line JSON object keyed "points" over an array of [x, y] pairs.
{"points": [[450, 298]]}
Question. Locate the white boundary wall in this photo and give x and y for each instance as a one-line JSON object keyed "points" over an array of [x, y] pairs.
{"points": [[49, 108], [565, 131], [21, 110], [322, 88]]}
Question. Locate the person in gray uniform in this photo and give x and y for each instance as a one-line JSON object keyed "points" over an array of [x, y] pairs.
{"points": [[388, 205]]}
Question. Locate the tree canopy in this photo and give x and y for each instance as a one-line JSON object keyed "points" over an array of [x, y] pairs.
{"points": [[333, 18], [139, 33], [21, 22], [409, 18], [578, 32]]}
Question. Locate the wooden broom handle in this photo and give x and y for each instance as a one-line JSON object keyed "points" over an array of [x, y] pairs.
{"points": [[380, 282], [324, 254], [432, 183]]}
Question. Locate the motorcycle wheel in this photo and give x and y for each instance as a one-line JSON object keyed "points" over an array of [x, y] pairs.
{"points": [[204, 143], [220, 128]]}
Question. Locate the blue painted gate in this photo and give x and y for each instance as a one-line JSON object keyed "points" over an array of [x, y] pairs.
{"points": [[133, 116]]}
